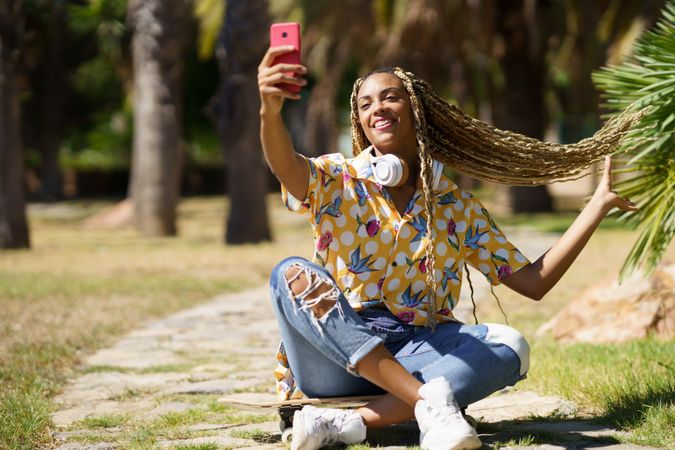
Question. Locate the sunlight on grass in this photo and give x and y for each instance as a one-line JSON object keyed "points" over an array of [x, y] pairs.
{"points": [[630, 385], [260, 436], [105, 421]]}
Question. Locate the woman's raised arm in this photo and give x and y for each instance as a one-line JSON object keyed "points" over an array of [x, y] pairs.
{"points": [[536, 279], [288, 166]]}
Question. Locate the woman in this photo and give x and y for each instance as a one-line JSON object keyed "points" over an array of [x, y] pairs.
{"points": [[373, 312]]}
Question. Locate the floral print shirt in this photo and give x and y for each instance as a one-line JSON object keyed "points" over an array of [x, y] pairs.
{"points": [[377, 254]]}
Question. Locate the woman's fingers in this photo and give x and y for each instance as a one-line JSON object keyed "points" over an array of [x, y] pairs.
{"points": [[607, 172], [283, 78], [273, 52], [290, 68]]}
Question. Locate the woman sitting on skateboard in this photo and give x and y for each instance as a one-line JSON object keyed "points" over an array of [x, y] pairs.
{"points": [[392, 233]]}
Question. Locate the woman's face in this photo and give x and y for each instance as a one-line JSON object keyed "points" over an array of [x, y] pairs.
{"points": [[386, 116]]}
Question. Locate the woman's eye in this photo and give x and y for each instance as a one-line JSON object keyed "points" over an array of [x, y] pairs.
{"points": [[392, 98], [365, 105]]}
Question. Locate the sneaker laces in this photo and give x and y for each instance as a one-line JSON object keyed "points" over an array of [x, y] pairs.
{"points": [[329, 428]]}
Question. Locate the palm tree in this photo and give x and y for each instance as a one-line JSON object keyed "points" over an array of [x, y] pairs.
{"points": [[646, 82], [13, 224], [242, 44], [160, 29]]}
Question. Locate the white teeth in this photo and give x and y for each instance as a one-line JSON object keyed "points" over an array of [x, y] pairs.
{"points": [[381, 123]]}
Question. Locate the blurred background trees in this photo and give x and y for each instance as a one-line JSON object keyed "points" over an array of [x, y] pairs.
{"points": [[524, 65]]}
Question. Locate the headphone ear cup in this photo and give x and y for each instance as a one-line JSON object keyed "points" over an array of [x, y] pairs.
{"points": [[389, 170]]}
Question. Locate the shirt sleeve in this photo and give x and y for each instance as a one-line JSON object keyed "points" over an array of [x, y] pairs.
{"points": [[487, 248], [325, 176]]}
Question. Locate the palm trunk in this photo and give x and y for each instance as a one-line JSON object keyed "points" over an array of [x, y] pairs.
{"points": [[244, 43], [521, 107], [159, 38], [13, 224]]}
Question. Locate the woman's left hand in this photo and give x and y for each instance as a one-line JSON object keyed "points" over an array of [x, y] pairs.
{"points": [[606, 196]]}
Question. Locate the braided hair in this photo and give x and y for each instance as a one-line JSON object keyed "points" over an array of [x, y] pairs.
{"points": [[468, 145]]}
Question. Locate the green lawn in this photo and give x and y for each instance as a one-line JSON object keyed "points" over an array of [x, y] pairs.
{"points": [[78, 289]]}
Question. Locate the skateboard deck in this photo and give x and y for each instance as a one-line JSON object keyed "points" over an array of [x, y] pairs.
{"points": [[286, 408]]}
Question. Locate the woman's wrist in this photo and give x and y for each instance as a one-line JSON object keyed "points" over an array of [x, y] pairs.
{"points": [[600, 203]]}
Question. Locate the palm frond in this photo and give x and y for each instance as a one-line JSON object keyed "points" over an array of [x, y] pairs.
{"points": [[646, 82]]}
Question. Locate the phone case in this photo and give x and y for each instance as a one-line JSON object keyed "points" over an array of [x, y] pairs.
{"points": [[286, 34]]}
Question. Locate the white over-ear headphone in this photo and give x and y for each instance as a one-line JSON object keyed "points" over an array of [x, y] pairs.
{"points": [[389, 170]]}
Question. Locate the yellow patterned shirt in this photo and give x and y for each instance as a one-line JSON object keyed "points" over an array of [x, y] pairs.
{"points": [[377, 255]]}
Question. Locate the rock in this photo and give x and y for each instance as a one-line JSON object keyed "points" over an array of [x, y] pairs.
{"points": [[613, 313], [117, 216]]}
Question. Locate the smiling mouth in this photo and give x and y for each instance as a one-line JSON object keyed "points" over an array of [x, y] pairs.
{"points": [[382, 124]]}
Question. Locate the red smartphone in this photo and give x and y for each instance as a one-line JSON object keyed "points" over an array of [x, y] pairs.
{"points": [[286, 34]]}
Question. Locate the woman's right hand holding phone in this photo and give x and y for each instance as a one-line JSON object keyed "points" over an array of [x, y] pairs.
{"points": [[270, 75]]}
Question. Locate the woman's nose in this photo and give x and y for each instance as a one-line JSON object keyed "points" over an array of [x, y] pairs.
{"points": [[378, 106]]}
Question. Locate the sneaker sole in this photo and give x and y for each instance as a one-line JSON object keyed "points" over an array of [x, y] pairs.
{"points": [[466, 443]]}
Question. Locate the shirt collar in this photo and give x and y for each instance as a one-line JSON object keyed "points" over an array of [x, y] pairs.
{"points": [[363, 168]]}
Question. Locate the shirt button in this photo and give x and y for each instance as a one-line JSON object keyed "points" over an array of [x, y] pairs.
{"points": [[394, 264]]}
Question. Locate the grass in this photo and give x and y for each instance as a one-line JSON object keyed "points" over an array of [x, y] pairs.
{"points": [[260, 436], [630, 386], [105, 421], [78, 289]]}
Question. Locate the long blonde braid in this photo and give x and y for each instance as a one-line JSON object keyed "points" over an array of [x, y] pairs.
{"points": [[482, 151]]}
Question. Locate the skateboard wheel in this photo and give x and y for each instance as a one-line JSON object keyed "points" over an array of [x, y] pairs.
{"points": [[287, 435]]}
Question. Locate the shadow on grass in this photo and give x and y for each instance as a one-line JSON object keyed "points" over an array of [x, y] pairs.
{"points": [[564, 432], [631, 409]]}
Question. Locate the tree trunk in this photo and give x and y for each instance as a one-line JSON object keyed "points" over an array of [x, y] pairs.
{"points": [[53, 106], [242, 45], [523, 28], [13, 224], [160, 28]]}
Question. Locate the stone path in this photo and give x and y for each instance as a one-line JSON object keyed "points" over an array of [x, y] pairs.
{"points": [[158, 387]]}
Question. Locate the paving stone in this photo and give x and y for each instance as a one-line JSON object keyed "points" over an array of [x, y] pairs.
{"points": [[98, 446], [166, 408], [107, 385], [511, 405], [209, 426], [218, 386], [213, 368], [135, 359], [575, 427], [225, 441], [66, 417]]}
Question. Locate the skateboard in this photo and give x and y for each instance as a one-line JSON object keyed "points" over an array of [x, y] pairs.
{"points": [[286, 409]]}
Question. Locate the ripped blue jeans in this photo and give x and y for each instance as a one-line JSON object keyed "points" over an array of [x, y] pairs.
{"points": [[323, 352]]}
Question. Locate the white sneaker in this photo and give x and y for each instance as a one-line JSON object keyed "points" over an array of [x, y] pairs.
{"points": [[314, 428], [442, 426]]}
